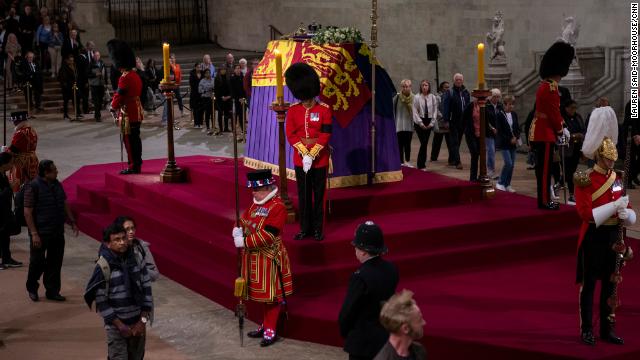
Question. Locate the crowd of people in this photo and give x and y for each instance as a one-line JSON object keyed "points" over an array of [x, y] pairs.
{"points": [[452, 112]]}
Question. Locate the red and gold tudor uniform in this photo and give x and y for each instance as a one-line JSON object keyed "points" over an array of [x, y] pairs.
{"points": [[596, 259], [308, 131], [127, 100], [23, 147], [265, 263], [545, 129]]}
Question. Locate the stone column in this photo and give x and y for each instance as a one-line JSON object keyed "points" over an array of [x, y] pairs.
{"points": [[574, 80], [92, 16], [498, 75]]}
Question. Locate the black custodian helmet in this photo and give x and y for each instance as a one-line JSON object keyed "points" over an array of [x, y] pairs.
{"points": [[368, 237]]}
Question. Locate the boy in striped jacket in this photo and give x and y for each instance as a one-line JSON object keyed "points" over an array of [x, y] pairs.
{"points": [[121, 290]]}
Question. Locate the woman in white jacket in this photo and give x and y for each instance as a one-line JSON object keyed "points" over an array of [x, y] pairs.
{"points": [[425, 114]]}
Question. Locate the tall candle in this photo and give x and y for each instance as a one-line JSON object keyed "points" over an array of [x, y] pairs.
{"points": [[279, 88], [481, 66], [165, 62]]}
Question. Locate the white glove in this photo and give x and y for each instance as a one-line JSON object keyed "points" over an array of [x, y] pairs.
{"points": [[622, 202], [306, 163], [566, 133], [238, 241], [623, 214], [3, 148], [237, 231]]}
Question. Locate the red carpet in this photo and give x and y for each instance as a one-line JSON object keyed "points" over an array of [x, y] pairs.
{"points": [[494, 278]]}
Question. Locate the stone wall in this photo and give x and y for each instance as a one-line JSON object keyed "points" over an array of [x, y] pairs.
{"points": [[405, 26]]}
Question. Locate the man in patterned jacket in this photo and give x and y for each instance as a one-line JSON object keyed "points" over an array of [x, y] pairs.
{"points": [[265, 263]]}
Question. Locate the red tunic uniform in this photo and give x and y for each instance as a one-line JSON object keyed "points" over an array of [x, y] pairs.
{"points": [[593, 194], [547, 123], [127, 97], [25, 162], [265, 252], [307, 128]]}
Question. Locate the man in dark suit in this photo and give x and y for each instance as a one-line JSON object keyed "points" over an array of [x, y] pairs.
{"points": [[454, 102], [71, 45], [32, 77], [374, 282]]}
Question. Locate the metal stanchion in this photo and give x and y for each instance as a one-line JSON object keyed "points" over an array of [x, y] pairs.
{"points": [[243, 101]]}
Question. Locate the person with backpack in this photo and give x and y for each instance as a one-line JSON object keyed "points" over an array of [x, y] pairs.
{"points": [[140, 247], [121, 290]]}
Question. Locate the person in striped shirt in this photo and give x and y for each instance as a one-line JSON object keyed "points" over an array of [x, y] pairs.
{"points": [[121, 290]]}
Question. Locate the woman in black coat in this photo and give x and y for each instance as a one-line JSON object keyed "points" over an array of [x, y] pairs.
{"points": [[195, 101], [222, 92], [507, 140]]}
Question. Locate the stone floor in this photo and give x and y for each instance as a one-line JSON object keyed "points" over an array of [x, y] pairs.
{"points": [[187, 325]]}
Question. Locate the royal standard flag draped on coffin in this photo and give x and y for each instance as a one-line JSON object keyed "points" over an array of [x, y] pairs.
{"points": [[345, 87]]}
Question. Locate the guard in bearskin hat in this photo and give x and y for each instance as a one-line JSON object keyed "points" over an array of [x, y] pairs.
{"points": [[372, 284], [603, 207], [547, 124], [126, 102], [308, 128], [265, 263]]}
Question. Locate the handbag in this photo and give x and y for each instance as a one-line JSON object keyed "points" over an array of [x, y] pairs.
{"points": [[442, 125]]}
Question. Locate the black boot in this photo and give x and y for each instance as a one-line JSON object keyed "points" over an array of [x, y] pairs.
{"points": [[301, 235], [588, 338], [607, 333], [256, 334], [551, 205]]}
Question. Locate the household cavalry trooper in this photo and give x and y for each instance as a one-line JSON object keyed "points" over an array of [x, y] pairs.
{"points": [[308, 128], [265, 263], [547, 124], [603, 208], [126, 102]]}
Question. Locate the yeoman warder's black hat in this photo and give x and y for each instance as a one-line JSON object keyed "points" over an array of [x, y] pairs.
{"points": [[302, 81], [556, 60], [259, 178]]}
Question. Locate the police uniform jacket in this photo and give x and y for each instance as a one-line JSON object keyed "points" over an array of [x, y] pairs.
{"points": [[373, 283]]}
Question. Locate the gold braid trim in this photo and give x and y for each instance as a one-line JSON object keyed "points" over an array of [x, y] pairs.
{"points": [[315, 150], [581, 178], [302, 149]]}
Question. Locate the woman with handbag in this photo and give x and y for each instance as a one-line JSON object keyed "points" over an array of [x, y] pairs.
{"points": [[507, 140], [8, 226]]}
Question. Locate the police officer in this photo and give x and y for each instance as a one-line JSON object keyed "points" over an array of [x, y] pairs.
{"points": [[373, 283]]}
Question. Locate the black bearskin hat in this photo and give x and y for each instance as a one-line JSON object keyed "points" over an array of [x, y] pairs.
{"points": [[121, 54], [302, 81], [556, 60]]}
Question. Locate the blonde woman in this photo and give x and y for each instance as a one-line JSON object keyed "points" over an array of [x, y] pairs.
{"points": [[12, 49]]}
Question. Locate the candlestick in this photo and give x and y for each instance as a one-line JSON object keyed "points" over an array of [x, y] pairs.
{"points": [[279, 88], [481, 66], [165, 62]]}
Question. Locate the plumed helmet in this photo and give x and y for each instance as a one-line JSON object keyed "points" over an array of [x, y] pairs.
{"points": [[121, 54], [259, 178], [303, 81], [603, 124], [19, 116], [368, 237], [556, 60]]}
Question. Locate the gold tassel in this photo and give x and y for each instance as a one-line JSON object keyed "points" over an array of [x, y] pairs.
{"points": [[240, 289]]}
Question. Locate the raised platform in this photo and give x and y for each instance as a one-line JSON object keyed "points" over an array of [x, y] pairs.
{"points": [[494, 278]]}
